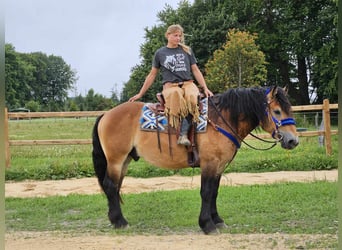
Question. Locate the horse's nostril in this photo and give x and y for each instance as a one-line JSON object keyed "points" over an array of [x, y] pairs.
{"points": [[293, 142]]}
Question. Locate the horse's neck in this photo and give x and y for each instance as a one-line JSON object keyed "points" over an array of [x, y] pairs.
{"points": [[244, 129]]}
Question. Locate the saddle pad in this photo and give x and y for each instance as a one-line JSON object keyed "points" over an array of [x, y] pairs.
{"points": [[148, 119]]}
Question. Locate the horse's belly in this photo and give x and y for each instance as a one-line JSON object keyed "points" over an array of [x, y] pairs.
{"points": [[174, 160], [170, 157]]}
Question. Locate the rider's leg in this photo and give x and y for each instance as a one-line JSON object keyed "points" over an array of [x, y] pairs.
{"points": [[184, 129]]}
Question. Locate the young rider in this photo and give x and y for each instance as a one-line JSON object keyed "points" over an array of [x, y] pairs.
{"points": [[178, 66]]}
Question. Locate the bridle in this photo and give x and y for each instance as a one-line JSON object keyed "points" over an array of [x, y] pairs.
{"points": [[281, 123], [278, 124]]}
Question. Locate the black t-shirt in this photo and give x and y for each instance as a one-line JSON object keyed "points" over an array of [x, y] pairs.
{"points": [[174, 64]]}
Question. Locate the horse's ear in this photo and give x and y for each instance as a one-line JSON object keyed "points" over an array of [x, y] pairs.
{"points": [[286, 89], [274, 91]]}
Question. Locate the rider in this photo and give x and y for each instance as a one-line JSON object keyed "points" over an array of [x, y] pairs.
{"points": [[177, 64]]}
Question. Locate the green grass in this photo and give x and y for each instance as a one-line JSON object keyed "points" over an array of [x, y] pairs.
{"points": [[277, 158], [51, 128], [74, 161], [292, 208]]}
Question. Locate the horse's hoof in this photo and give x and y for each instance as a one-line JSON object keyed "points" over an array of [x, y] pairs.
{"points": [[221, 225], [121, 226], [214, 232], [211, 231]]}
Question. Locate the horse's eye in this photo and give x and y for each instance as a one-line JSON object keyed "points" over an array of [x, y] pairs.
{"points": [[277, 112]]}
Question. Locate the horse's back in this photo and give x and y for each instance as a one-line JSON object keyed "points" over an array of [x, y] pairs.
{"points": [[121, 118]]}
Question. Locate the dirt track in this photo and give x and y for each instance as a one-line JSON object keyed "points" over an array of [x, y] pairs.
{"points": [[63, 241], [139, 185]]}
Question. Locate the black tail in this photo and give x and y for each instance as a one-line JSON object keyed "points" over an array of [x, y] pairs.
{"points": [[99, 159]]}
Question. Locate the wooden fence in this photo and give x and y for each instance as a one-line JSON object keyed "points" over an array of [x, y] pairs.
{"points": [[325, 108]]}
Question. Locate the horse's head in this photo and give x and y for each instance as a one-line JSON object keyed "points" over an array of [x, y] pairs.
{"points": [[280, 121]]}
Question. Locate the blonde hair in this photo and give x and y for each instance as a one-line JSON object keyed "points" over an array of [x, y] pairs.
{"points": [[174, 28]]}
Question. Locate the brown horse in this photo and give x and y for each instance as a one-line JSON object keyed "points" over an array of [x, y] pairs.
{"points": [[118, 138]]}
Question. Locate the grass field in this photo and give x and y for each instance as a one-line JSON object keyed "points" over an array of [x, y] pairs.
{"points": [[292, 208], [74, 161]]}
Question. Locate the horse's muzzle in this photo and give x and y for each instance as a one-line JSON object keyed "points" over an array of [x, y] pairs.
{"points": [[288, 140]]}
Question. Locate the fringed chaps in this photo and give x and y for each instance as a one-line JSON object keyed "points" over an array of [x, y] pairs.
{"points": [[181, 101]]}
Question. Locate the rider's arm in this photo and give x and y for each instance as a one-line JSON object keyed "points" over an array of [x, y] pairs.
{"points": [[200, 79], [147, 84]]}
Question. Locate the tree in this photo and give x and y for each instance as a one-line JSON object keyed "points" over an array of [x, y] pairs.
{"points": [[53, 79], [239, 63], [18, 76], [97, 102], [298, 39], [60, 78], [37, 77], [324, 57], [291, 33]]}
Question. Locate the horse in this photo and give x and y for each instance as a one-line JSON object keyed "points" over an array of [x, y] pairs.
{"points": [[232, 115]]}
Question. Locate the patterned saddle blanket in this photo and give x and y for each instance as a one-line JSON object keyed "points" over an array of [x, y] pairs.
{"points": [[148, 119]]}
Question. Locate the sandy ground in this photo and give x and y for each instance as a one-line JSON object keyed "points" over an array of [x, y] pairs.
{"points": [[139, 185], [64, 241], [49, 241]]}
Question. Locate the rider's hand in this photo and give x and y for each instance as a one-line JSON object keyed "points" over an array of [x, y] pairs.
{"points": [[207, 92], [134, 98]]}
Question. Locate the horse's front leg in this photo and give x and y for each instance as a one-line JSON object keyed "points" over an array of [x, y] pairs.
{"points": [[208, 216], [218, 221]]}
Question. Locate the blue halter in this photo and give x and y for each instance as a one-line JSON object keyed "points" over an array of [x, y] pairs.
{"points": [[279, 123]]}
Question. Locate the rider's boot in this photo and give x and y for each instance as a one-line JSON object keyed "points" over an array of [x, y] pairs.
{"points": [[183, 136]]}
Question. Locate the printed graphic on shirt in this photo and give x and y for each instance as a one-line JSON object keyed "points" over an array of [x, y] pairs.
{"points": [[175, 63]]}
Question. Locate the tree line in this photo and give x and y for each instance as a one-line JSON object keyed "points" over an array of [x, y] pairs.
{"points": [[298, 40], [237, 43], [41, 82]]}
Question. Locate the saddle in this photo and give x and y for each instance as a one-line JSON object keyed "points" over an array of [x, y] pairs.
{"points": [[159, 107], [193, 156]]}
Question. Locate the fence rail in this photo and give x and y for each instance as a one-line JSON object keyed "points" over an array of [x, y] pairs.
{"points": [[54, 114], [325, 108]]}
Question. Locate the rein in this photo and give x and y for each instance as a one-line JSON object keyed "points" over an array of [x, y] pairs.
{"points": [[287, 121]]}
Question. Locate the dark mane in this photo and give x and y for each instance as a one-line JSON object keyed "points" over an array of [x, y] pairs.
{"points": [[249, 104]]}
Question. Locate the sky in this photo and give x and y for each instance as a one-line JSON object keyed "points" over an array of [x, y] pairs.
{"points": [[100, 39]]}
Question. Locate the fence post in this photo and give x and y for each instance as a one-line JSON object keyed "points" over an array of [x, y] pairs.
{"points": [[7, 147], [327, 127]]}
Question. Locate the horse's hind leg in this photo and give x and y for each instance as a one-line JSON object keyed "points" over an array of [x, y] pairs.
{"points": [[114, 213], [112, 185]]}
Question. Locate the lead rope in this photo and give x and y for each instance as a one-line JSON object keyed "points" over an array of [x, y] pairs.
{"points": [[236, 134]]}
